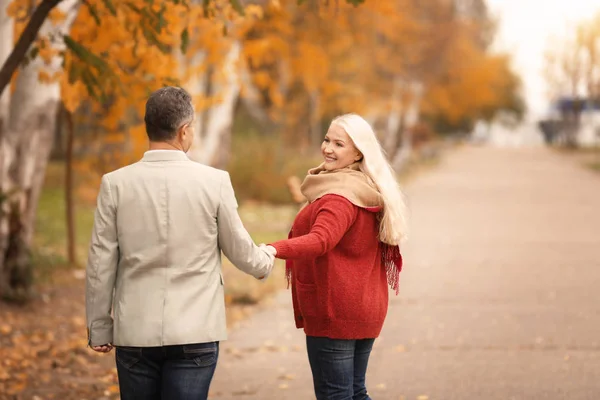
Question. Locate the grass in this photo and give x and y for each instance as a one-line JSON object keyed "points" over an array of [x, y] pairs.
{"points": [[50, 239], [588, 157], [266, 223], [594, 165]]}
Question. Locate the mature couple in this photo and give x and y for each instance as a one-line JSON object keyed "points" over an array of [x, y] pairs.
{"points": [[154, 282]]}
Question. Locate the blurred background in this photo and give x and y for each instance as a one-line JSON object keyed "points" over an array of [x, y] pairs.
{"points": [[267, 77]]}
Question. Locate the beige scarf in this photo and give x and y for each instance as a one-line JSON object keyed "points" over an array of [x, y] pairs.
{"points": [[349, 182], [358, 188]]}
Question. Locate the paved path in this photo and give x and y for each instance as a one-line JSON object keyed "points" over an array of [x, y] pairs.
{"points": [[500, 296]]}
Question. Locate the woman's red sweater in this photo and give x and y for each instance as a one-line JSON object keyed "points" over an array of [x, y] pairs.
{"points": [[339, 284]]}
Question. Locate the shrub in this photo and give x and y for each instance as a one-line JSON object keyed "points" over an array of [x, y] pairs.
{"points": [[260, 167]]}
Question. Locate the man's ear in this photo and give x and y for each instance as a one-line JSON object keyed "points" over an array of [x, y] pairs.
{"points": [[182, 131]]}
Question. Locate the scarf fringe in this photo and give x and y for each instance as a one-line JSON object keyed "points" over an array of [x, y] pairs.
{"points": [[288, 272], [392, 260]]}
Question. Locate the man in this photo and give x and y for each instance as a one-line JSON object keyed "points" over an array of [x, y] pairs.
{"points": [[155, 260]]}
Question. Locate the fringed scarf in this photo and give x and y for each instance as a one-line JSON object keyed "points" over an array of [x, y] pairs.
{"points": [[360, 190]]}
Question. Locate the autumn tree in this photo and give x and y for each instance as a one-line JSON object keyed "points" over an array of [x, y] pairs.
{"points": [[28, 112], [573, 63], [573, 70], [293, 64], [390, 61]]}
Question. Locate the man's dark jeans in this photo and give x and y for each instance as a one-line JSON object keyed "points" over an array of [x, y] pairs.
{"points": [[169, 372], [339, 367]]}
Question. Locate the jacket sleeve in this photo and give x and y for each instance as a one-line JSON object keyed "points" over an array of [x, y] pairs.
{"points": [[234, 239], [103, 258], [334, 216]]}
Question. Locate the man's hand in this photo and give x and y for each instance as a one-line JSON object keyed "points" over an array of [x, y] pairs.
{"points": [[269, 249], [105, 348], [270, 252]]}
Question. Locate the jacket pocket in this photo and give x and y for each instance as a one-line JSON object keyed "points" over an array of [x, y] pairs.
{"points": [[306, 295]]}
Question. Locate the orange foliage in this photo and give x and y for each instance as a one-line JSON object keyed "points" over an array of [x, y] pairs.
{"points": [[349, 56], [307, 61], [136, 63]]}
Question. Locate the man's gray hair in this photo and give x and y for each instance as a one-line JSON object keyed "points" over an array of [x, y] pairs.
{"points": [[167, 109]]}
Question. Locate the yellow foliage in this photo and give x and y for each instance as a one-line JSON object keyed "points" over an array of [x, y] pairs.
{"points": [[307, 62]]}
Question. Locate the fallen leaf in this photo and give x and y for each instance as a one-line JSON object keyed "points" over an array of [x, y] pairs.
{"points": [[113, 389]]}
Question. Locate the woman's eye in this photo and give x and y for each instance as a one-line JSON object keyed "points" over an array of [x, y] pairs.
{"points": [[339, 145]]}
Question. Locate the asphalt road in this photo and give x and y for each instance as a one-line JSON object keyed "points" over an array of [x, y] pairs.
{"points": [[500, 293]]}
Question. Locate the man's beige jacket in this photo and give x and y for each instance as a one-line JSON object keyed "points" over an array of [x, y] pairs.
{"points": [[154, 267]]}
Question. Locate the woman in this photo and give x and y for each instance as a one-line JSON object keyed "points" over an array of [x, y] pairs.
{"points": [[342, 252]]}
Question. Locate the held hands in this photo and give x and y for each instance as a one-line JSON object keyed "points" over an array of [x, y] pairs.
{"points": [[269, 249]]}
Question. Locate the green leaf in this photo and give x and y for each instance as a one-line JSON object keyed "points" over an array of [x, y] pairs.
{"points": [[93, 11], [133, 7], [237, 6], [110, 6], [185, 40], [88, 81], [85, 55], [34, 52], [162, 22], [152, 39], [74, 73], [205, 4]]}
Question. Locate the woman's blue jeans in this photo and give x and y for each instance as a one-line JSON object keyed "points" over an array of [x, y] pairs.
{"points": [[339, 367]]}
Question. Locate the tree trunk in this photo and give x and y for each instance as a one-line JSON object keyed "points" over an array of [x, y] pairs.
{"points": [[34, 25], [314, 118], [69, 203], [394, 119], [27, 141], [213, 148], [251, 97], [410, 120], [6, 44]]}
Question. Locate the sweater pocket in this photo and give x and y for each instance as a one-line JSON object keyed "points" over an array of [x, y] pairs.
{"points": [[307, 299]]}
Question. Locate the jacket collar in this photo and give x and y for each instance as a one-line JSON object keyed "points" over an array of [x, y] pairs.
{"points": [[164, 155]]}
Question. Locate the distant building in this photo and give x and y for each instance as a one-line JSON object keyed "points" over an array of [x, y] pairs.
{"points": [[572, 121]]}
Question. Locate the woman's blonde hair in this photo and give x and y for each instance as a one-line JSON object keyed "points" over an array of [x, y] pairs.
{"points": [[393, 227]]}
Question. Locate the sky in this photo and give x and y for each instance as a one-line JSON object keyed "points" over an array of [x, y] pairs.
{"points": [[526, 29]]}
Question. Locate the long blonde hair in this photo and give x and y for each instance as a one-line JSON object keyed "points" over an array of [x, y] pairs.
{"points": [[394, 221]]}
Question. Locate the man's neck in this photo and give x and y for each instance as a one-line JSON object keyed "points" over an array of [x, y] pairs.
{"points": [[164, 146]]}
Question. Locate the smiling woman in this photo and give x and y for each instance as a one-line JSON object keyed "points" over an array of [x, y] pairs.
{"points": [[342, 253], [338, 149]]}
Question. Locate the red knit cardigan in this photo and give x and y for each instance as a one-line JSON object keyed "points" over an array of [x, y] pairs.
{"points": [[339, 283]]}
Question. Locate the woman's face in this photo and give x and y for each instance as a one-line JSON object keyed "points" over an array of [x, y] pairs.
{"points": [[338, 149]]}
